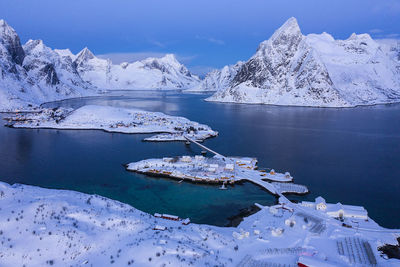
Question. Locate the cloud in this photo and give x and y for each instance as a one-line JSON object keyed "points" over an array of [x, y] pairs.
{"points": [[211, 40], [392, 35], [158, 44], [387, 36], [375, 31], [118, 58]]}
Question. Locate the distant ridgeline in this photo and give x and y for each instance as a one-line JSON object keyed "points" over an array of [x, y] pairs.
{"points": [[288, 69]]}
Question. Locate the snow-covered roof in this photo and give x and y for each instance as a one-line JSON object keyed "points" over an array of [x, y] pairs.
{"points": [[320, 200]]}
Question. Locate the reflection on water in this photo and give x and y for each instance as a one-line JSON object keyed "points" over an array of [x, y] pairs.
{"points": [[349, 155]]}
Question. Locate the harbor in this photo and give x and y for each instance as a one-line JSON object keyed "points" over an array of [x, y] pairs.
{"points": [[218, 169]]}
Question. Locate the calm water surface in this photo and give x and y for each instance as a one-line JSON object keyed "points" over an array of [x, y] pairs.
{"points": [[347, 155]]}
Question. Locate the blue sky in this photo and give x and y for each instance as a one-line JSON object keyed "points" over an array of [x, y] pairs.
{"points": [[203, 34]]}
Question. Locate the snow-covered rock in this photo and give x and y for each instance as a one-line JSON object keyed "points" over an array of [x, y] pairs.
{"points": [[150, 73], [33, 73], [316, 70], [217, 79]]}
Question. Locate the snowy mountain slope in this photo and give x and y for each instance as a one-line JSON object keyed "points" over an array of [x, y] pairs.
{"points": [[48, 67], [150, 73], [217, 79], [33, 73], [316, 70]]}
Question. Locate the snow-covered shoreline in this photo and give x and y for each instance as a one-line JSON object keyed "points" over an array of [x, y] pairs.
{"points": [[116, 120], [303, 106], [57, 227]]}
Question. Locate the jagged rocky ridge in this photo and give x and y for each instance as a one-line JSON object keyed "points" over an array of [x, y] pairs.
{"points": [[33, 73], [150, 73], [317, 70]]}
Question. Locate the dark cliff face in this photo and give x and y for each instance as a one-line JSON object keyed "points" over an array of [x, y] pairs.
{"points": [[272, 59], [10, 40], [50, 74], [156, 65]]}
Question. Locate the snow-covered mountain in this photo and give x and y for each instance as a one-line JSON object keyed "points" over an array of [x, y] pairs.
{"points": [[33, 73], [217, 79], [317, 70], [150, 73]]}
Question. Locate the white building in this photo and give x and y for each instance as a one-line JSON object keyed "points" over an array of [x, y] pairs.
{"points": [[346, 211], [229, 167], [199, 157], [211, 169], [337, 210], [320, 203], [186, 159], [168, 159]]}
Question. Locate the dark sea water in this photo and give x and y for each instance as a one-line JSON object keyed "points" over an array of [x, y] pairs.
{"points": [[347, 155]]}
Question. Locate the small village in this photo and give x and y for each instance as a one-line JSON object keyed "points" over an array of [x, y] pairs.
{"points": [[217, 170]]}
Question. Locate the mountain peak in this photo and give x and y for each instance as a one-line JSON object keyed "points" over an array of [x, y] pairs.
{"points": [[290, 27], [170, 57], [363, 36], [284, 39], [10, 39], [32, 45], [85, 54], [3, 23]]}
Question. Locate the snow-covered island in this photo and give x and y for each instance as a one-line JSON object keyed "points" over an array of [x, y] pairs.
{"points": [[40, 227], [218, 170], [312, 70], [113, 119]]}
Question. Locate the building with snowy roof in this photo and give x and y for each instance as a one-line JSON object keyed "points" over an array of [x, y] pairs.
{"points": [[337, 210]]}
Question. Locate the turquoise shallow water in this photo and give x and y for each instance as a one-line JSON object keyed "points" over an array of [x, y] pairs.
{"points": [[346, 155]]}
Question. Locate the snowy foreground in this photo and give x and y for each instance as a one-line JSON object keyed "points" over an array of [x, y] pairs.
{"points": [[112, 119], [219, 170], [40, 227]]}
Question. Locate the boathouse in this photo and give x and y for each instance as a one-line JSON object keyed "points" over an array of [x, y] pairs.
{"points": [[159, 228], [170, 217]]}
